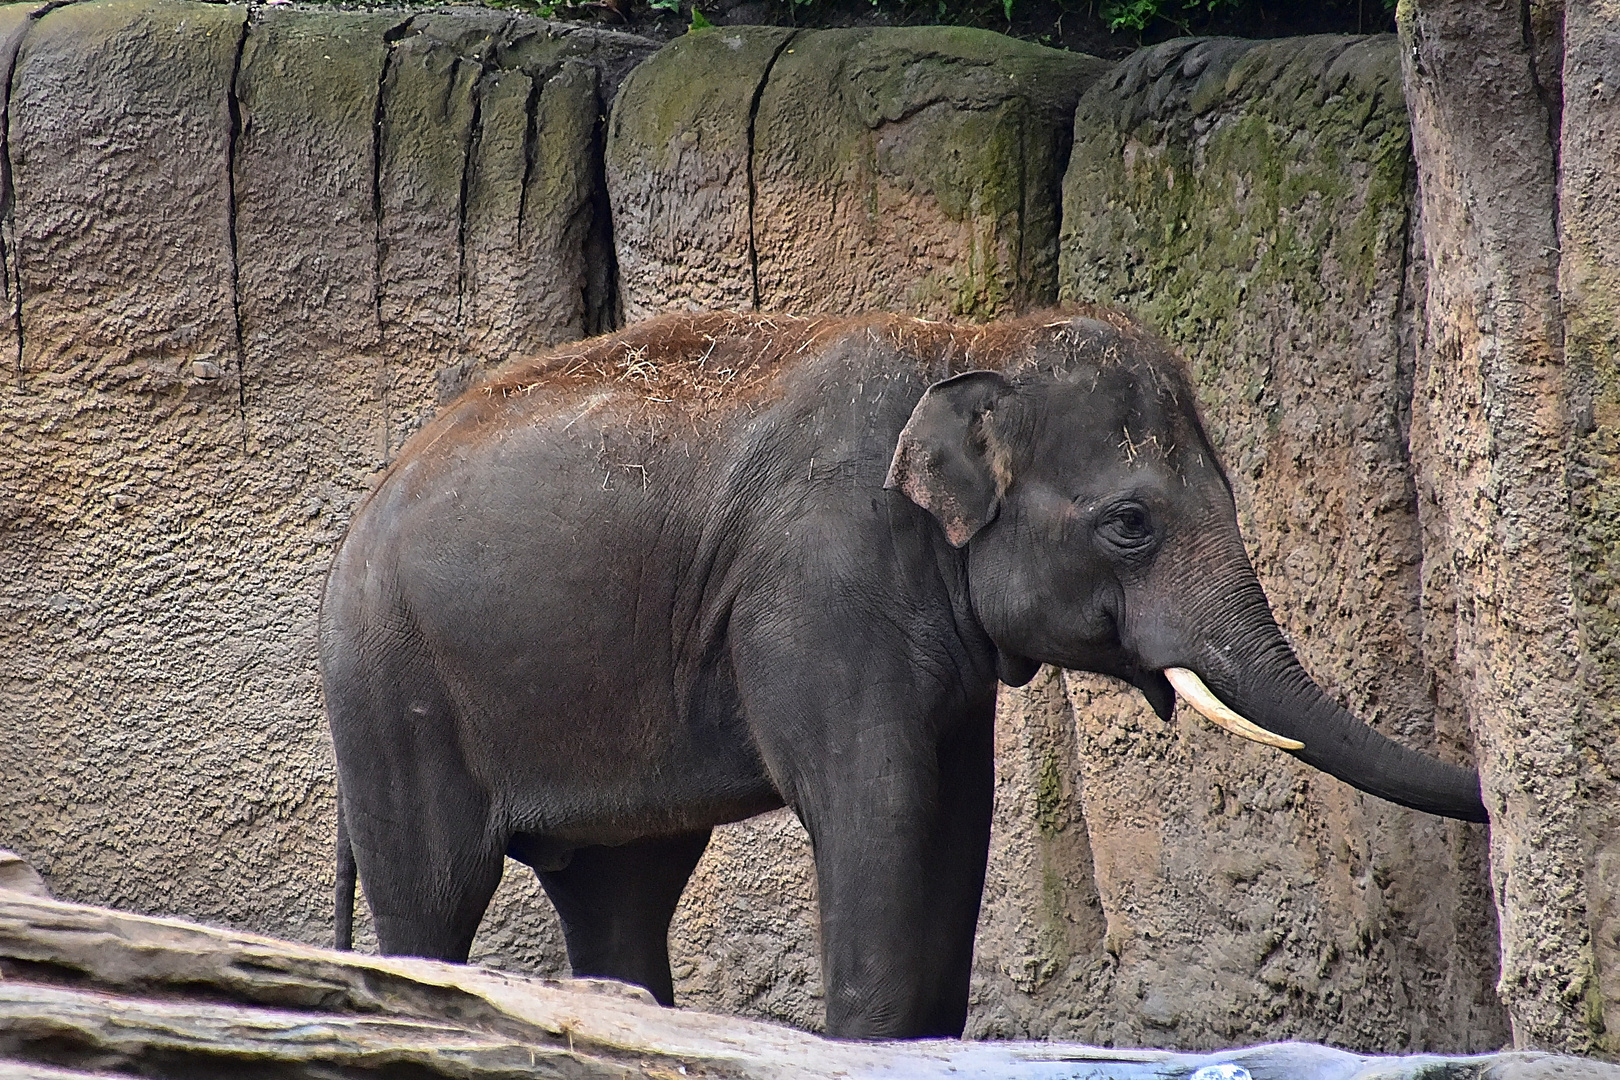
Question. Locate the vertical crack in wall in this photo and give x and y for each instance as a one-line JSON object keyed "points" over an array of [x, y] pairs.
{"points": [[531, 136], [233, 138], [1544, 45], [1406, 333], [10, 263], [603, 310], [753, 117], [1062, 152], [1024, 294], [379, 116], [475, 139]]}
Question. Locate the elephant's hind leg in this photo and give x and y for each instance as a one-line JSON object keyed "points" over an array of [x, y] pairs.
{"points": [[615, 904], [422, 829], [428, 882]]}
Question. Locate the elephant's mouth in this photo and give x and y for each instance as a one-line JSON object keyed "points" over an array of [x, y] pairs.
{"points": [[1203, 699]]}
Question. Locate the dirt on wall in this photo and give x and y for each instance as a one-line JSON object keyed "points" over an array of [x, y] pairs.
{"points": [[247, 250]]}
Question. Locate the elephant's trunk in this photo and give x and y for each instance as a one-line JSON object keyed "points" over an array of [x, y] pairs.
{"points": [[1255, 674], [1291, 705]]}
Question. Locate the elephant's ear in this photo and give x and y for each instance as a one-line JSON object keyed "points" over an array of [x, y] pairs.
{"points": [[948, 461]]}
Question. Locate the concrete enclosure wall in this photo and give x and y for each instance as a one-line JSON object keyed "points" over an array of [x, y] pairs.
{"points": [[246, 251]]}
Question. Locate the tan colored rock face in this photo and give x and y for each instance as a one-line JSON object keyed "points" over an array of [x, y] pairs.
{"points": [[168, 498], [1589, 281], [678, 150], [912, 170], [1270, 242], [1491, 441], [843, 170], [130, 583]]}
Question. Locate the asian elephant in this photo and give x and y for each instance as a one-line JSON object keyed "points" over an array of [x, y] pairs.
{"points": [[717, 563]]}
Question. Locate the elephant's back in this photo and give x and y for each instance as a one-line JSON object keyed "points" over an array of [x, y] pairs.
{"points": [[678, 365], [610, 463]]}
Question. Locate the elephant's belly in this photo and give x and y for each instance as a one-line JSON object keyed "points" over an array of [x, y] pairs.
{"points": [[579, 756], [664, 786]]}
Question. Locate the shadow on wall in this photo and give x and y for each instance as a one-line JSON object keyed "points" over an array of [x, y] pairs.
{"points": [[245, 255]]}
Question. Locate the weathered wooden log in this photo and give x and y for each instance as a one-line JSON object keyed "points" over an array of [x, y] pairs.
{"points": [[16, 874], [144, 1035], [24, 1070], [102, 991]]}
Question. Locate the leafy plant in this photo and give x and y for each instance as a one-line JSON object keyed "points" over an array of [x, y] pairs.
{"points": [[1140, 14], [1184, 15]]}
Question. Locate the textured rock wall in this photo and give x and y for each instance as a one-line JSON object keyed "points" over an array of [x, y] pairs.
{"points": [[679, 163], [1490, 441], [246, 251], [921, 167], [912, 170], [1253, 202], [1589, 284]]}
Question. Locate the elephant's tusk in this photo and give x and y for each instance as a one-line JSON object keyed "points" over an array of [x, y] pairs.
{"points": [[1202, 698]]}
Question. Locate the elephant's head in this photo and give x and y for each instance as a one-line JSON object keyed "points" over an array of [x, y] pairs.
{"points": [[1101, 535]]}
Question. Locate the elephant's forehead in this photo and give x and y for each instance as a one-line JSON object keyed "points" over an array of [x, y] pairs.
{"points": [[1118, 412]]}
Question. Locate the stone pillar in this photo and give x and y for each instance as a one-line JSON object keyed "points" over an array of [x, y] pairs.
{"points": [[1489, 426], [1589, 280], [1253, 202]]}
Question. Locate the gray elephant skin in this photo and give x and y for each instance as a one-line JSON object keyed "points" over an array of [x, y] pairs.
{"points": [[715, 564]]}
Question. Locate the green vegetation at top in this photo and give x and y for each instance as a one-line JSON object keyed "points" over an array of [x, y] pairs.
{"points": [[1209, 16], [1107, 28], [1102, 27]]}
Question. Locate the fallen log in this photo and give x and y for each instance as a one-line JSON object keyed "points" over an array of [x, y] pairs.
{"points": [[87, 991]]}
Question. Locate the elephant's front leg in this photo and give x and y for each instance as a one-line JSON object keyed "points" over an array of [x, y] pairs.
{"points": [[901, 834], [870, 696]]}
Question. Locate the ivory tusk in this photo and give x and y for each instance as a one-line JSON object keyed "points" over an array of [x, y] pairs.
{"points": [[1202, 698]]}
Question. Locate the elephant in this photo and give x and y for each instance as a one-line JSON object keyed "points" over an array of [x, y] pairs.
{"points": [[717, 563]]}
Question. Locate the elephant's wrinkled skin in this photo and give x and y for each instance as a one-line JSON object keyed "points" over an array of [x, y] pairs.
{"points": [[717, 563]]}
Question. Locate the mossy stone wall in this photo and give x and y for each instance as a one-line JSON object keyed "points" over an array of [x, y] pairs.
{"points": [[912, 170], [1253, 203], [679, 162]]}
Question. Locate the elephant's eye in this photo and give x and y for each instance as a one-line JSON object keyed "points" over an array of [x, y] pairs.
{"points": [[1126, 526]]}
